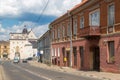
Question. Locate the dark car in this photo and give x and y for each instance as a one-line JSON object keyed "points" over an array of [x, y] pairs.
{"points": [[24, 60], [29, 58]]}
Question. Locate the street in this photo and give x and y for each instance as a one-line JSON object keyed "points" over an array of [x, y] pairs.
{"points": [[23, 71]]}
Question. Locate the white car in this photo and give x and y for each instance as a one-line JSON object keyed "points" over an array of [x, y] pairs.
{"points": [[16, 60]]}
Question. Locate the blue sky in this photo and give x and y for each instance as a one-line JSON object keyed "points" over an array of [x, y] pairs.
{"points": [[14, 14]]}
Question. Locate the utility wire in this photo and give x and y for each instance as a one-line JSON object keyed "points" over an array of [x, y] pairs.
{"points": [[42, 11], [39, 18]]}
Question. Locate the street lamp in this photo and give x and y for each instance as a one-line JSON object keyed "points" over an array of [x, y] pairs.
{"points": [[71, 47]]}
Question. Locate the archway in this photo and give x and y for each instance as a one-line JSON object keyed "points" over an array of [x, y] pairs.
{"points": [[17, 53]]}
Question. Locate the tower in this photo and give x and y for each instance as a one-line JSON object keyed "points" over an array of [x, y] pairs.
{"points": [[25, 31]]}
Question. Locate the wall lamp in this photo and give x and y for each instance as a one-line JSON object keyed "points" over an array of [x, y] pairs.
{"points": [[105, 42]]}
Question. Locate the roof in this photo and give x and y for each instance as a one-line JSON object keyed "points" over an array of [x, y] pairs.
{"points": [[75, 7], [4, 42], [78, 5], [15, 33], [34, 44], [43, 35]]}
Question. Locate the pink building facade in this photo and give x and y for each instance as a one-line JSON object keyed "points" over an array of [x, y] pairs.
{"points": [[92, 30]]}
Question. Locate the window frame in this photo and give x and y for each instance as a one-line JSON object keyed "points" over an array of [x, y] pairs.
{"points": [[82, 23], [90, 21], [68, 29], [53, 35], [58, 29], [75, 27], [108, 15], [63, 28], [56, 33], [58, 52], [111, 59]]}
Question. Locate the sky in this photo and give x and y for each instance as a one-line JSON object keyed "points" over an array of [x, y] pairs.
{"points": [[35, 14]]}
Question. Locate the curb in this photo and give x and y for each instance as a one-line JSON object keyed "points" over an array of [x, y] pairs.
{"points": [[88, 75], [93, 76], [1, 73], [80, 74]]}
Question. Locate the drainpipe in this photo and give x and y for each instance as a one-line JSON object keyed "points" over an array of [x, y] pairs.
{"points": [[71, 47]]}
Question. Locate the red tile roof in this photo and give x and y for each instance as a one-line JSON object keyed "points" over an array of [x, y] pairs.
{"points": [[75, 7], [78, 5]]}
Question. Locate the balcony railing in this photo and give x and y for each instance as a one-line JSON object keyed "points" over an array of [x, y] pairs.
{"points": [[90, 31]]}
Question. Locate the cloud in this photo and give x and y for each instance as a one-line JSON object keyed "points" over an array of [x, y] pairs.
{"points": [[37, 29], [40, 30], [14, 14], [15, 8], [9, 8], [1, 29], [3, 33]]}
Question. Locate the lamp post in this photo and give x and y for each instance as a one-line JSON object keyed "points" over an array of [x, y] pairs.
{"points": [[71, 47]]}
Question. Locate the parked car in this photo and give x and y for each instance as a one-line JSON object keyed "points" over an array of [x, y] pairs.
{"points": [[29, 58], [24, 60], [16, 60]]}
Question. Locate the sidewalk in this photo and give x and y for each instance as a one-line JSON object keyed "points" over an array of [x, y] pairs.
{"points": [[94, 74], [1, 73]]}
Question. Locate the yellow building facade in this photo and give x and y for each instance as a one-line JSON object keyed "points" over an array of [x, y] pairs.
{"points": [[4, 49]]}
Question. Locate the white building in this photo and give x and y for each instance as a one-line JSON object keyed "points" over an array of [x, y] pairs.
{"points": [[23, 44]]}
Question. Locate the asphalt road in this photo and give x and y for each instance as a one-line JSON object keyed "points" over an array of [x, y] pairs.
{"points": [[23, 71]]}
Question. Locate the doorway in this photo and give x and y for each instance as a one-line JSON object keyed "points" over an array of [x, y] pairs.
{"points": [[81, 51], [96, 59], [68, 58]]}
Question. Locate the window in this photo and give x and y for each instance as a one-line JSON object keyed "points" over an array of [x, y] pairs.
{"points": [[53, 35], [52, 52], [58, 32], [75, 27], [94, 18], [63, 29], [111, 51], [82, 22], [68, 29], [55, 52], [111, 15], [58, 52]]}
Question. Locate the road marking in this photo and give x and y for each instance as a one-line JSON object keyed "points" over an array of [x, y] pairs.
{"points": [[2, 62], [1, 73], [32, 72]]}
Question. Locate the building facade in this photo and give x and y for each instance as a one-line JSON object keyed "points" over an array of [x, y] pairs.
{"points": [[44, 47], [23, 44], [87, 37], [4, 49]]}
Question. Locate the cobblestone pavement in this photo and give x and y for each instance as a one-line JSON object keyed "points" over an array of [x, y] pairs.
{"points": [[2, 73], [95, 74]]}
